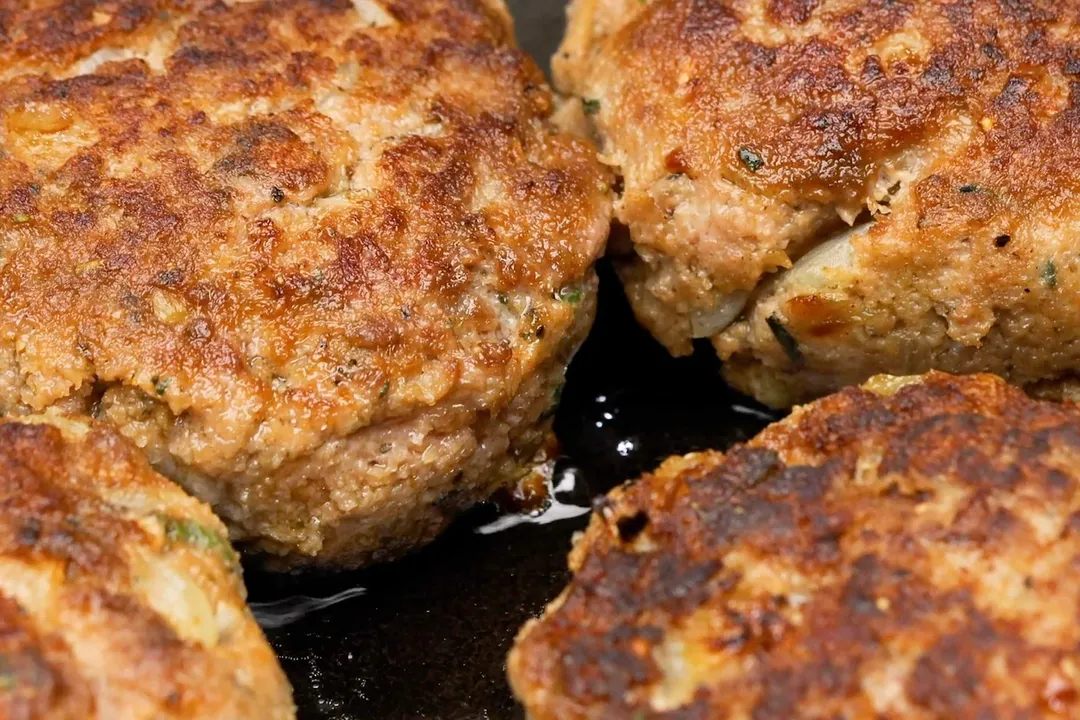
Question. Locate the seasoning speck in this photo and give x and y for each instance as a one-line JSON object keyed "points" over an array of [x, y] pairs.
{"points": [[277, 195], [1049, 274], [750, 159], [787, 341], [189, 532], [1001, 241], [591, 107], [570, 294]]}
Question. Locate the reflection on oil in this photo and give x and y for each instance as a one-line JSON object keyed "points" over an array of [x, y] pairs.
{"points": [[564, 483], [279, 613]]}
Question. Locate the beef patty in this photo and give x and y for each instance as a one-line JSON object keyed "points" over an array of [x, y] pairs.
{"points": [[120, 598], [831, 189], [907, 549], [323, 261]]}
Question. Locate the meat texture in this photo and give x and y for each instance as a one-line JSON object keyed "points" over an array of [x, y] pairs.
{"points": [[902, 550], [323, 261], [120, 598], [830, 189]]}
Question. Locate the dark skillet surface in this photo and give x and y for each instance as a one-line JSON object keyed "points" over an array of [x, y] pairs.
{"points": [[429, 635]]}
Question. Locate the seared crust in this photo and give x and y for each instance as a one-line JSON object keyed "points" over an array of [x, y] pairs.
{"points": [[902, 550], [266, 228], [120, 598], [747, 133]]}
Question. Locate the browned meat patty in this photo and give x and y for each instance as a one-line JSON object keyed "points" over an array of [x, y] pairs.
{"points": [[324, 261], [752, 135], [907, 549], [120, 598]]}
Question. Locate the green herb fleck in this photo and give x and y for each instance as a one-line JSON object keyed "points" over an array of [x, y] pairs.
{"points": [[556, 398], [385, 448], [786, 339], [7, 681], [385, 389], [161, 384], [570, 294], [21, 218], [189, 532], [502, 298], [968, 189], [592, 107], [1049, 274], [750, 159]]}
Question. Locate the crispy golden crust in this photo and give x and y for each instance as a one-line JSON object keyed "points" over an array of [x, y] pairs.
{"points": [[120, 597], [265, 227], [747, 131], [903, 550]]}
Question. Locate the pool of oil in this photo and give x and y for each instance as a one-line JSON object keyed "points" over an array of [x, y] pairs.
{"points": [[427, 637]]}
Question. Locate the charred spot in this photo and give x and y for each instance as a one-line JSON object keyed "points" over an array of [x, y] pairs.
{"points": [[919, 447], [994, 53], [792, 12], [872, 69], [1013, 92], [707, 22], [757, 56], [29, 533], [938, 73], [606, 666], [631, 526], [1002, 240], [744, 467], [946, 678], [170, 278], [741, 517], [805, 482]]}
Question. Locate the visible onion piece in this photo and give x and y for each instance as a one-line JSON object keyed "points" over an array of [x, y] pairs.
{"points": [[706, 323]]}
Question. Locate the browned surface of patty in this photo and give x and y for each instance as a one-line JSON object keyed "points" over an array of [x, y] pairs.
{"points": [[325, 261], [903, 550], [120, 598], [747, 131]]}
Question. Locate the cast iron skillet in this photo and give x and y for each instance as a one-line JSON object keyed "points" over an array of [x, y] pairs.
{"points": [[427, 637]]}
